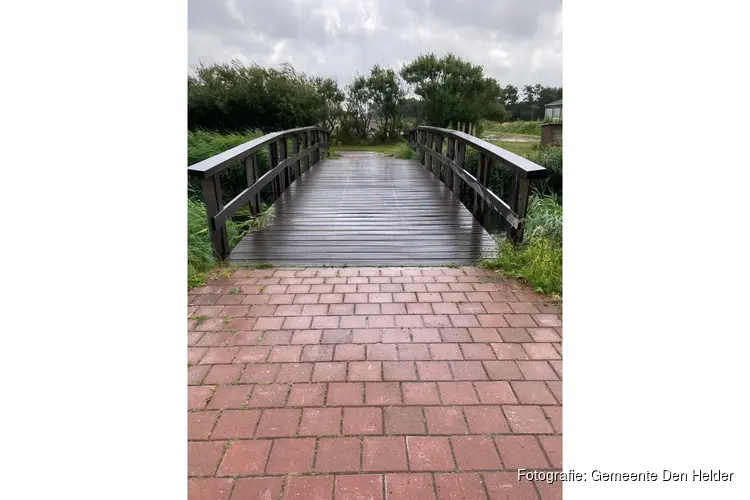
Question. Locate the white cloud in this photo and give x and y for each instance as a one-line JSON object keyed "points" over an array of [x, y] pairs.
{"points": [[517, 42]]}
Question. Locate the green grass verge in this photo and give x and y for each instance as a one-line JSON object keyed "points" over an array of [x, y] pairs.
{"points": [[530, 128], [538, 259], [203, 144], [525, 149], [386, 149]]}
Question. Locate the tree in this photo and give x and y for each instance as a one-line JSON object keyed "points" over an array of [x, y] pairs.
{"points": [[451, 89], [234, 97], [331, 100], [510, 96], [359, 107], [387, 99]]}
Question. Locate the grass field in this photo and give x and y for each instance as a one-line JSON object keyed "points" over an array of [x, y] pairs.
{"points": [[530, 128], [386, 149], [520, 148]]}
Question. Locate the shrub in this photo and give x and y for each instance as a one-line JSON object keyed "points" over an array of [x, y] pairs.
{"points": [[405, 152], [538, 259], [550, 158]]}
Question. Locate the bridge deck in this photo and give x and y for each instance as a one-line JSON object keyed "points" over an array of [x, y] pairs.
{"points": [[364, 209]]}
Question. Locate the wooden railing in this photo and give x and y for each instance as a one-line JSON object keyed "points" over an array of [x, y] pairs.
{"points": [[443, 152], [284, 170]]}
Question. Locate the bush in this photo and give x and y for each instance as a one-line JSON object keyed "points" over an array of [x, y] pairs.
{"points": [[538, 260], [405, 152], [550, 158], [232, 97]]}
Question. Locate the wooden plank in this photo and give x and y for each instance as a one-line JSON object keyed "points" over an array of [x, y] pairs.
{"points": [[361, 210]]}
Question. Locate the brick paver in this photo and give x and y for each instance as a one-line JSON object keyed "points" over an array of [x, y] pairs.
{"points": [[372, 383]]}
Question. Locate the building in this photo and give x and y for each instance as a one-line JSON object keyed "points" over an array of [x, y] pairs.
{"points": [[553, 111]]}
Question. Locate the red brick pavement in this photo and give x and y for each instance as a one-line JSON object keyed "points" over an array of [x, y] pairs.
{"points": [[372, 383]]}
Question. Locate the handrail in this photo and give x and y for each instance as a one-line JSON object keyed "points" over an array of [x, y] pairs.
{"points": [[449, 168], [217, 163], [526, 168], [283, 170]]}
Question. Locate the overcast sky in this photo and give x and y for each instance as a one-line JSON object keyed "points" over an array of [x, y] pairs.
{"points": [[518, 42]]}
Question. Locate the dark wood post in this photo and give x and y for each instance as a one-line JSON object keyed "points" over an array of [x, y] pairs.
{"points": [[483, 171], [460, 158], [283, 155], [450, 152], [439, 164], [295, 150], [305, 145], [430, 146], [273, 160], [519, 199], [251, 171], [422, 140], [313, 155], [214, 204]]}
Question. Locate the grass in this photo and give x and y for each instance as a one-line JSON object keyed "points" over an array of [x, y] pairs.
{"points": [[529, 128], [204, 144], [201, 260], [386, 149], [538, 259], [525, 149]]}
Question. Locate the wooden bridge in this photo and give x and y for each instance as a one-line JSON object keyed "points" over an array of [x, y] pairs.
{"points": [[365, 209]]}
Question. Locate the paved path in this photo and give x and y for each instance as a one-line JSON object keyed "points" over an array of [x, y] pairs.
{"points": [[366, 383]]}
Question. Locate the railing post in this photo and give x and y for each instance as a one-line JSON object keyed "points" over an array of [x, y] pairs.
{"points": [[295, 150], [430, 146], [437, 165], [450, 152], [485, 162], [214, 204], [460, 158], [273, 160], [305, 145], [422, 140], [251, 171], [313, 154], [519, 199], [283, 155]]}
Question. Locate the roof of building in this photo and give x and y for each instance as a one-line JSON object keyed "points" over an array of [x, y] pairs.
{"points": [[554, 103]]}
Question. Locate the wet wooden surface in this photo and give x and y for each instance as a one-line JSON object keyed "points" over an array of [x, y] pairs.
{"points": [[364, 209]]}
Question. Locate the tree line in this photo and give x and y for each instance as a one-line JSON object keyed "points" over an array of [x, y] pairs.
{"points": [[378, 105]]}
